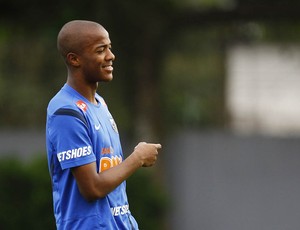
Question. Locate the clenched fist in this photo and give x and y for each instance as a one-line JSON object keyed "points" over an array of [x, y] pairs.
{"points": [[146, 153]]}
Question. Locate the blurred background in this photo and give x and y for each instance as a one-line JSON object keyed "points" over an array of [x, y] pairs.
{"points": [[217, 82]]}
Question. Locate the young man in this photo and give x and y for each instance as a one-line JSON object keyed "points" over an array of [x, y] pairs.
{"points": [[85, 157]]}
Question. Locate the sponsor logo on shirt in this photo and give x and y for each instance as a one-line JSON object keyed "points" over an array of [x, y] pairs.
{"points": [[74, 153], [109, 150], [120, 210], [107, 162], [81, 105]]}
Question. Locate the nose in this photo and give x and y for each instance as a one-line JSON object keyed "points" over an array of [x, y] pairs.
{"points": [[110, 55]]}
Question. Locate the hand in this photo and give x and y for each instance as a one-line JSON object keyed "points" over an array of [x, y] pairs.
{"points": [[147, 153]]}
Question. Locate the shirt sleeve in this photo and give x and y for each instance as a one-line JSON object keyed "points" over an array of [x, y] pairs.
{"points": [[71, 141]]}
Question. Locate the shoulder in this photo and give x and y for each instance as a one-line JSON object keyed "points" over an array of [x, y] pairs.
{"points": [[67, 100], [66, 110]]}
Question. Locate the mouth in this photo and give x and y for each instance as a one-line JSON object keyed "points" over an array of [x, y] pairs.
{"points": [[108, 68]]}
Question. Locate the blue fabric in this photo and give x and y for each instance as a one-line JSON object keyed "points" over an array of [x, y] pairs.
{"points": [[71, 143]]}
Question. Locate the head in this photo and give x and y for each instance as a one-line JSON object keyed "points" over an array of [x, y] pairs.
{"points": [[86, 49]]}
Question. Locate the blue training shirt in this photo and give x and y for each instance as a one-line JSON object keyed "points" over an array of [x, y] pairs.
{"points": [[73, 141]]}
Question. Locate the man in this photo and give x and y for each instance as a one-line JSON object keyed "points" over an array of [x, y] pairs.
{"points": [[85, 158]]}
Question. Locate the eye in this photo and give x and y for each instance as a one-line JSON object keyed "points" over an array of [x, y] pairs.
{"points": [[100, 50]]}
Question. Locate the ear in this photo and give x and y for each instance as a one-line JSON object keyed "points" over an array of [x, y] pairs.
{"points": [[73, 59]]}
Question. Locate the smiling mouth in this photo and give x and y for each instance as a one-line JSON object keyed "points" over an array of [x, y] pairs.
{"points": [[108, 68]]}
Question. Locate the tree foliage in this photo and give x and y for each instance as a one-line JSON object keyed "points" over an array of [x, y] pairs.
{"points": [[25, 195], [157, 44]]}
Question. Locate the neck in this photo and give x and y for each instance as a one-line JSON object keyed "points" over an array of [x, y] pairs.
{"points": [[86, 90]]}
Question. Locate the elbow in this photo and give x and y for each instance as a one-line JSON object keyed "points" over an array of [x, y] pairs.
{"points": [[94, 189], [92, 195], [90, 198]]}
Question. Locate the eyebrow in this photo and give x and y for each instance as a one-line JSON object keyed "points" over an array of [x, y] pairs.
{"points": [[103, 45]]}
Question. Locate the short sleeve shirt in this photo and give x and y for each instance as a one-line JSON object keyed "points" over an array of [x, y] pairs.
{"points": [[72, 142]]}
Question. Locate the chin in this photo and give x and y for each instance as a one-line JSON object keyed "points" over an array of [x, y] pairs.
{"points": [[107, 79], [110, 78]]}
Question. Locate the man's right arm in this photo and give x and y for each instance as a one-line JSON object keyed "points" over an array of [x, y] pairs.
{"points": [[93, 185]]}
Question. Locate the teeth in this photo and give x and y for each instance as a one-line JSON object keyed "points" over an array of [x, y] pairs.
{"points": [[108, 67]]}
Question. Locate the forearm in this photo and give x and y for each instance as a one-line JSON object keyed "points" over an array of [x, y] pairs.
{"points": [[111, 178], [93, 185]]}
